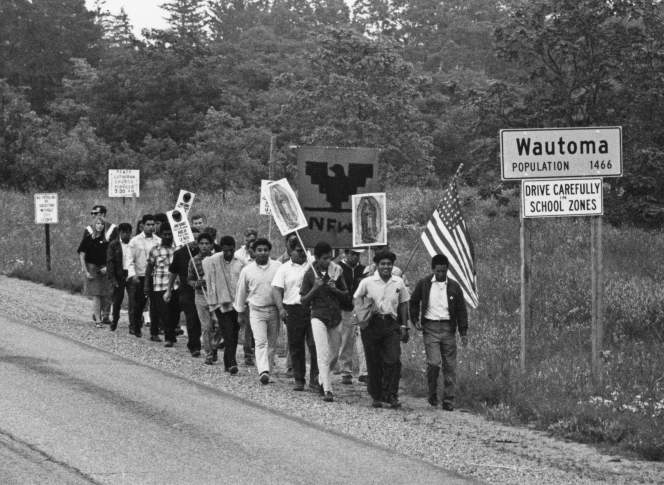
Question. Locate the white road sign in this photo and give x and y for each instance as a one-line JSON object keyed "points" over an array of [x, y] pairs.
{"points": [[180, 226], [124, 183], [561, 152], [46, 208], [558, 198], [185, 201]]}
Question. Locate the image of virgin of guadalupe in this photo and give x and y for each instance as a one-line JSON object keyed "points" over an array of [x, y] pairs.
{"points": [[285, 207], [369, 213]]}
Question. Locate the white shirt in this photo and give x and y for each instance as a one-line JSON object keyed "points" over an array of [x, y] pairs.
{"points": [[387, 295], [126, 256], [438, 305], [289, 278], [140, 251], [255, 285], [243, 255]]}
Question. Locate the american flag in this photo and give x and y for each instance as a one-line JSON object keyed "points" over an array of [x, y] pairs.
{"points": [[446, 233]]}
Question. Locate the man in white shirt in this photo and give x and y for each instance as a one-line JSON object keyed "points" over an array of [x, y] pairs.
{"points": [[254, 293], [286, 289], [140, 247], [246, 253], [441, 303]]}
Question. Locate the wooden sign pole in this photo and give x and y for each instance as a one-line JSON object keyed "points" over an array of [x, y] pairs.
{"points": [[597, 335], [47, 242], [526, 288], [270, 166]]}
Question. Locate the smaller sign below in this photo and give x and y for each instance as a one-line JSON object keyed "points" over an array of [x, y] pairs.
{"points": [[46, 208], [560, 198], [180, 226], [185, 201], [124, 183], [264, 209]]}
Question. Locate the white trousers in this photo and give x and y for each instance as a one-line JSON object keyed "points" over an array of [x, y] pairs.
{"points": [[265, 327], [328, 341]]}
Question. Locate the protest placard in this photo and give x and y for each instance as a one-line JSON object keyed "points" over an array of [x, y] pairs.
{"points": [[185, 201], [180, 226], [285, 208], [369, 214]]}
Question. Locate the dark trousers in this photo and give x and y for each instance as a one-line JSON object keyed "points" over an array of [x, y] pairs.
{"points": [[185, 297], [137, 301], [165, 315], [230, 329], [441, 349], [118, 296], [248, 343], [298, 324], [382, 349]]}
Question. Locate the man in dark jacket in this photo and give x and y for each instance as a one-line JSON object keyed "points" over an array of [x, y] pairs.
{"points": [[441, 304], [117, 264]]}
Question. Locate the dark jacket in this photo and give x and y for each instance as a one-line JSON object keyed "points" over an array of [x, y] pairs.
{"points": [[114, 262], [455, 301], [352, 278]]}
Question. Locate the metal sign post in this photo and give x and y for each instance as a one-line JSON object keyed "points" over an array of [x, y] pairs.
{"points": [[46, 212]]}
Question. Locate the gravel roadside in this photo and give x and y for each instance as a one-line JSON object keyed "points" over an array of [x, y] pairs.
{"points": [[462, 442]]}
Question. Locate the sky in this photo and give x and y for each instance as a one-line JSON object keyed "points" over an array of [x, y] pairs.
{"points": [[142, 13]]}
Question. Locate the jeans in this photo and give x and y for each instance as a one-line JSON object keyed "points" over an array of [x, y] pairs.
{"points": [[298, 325], [137, 301], [230, 330], [265, 327], [211, 332], [118, 297], [441, 348], [351, 346], [164, 315], [382, 348], [328, 340], [187, 304]]}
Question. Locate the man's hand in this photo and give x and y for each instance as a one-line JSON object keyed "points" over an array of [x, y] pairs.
{"points": [[134, 280], [88, 275], [167, 296], [318, 282], [242, 318], [116, 284], [102, 270], [405, 336], [146, 290], [418, 325], [464, 341], [283, 314]]}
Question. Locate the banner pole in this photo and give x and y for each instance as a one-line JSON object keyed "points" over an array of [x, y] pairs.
{"points": [[197, 274], [297, 233], [270, 167]]}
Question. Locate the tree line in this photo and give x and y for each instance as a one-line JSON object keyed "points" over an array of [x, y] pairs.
{"points": [[430, 82]]}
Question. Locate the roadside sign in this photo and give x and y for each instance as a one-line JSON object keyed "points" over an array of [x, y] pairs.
{"points": [[559, 198], [124, 183], [554, 153], [46, 208], [180, 226], [264, 209], [185, 201]]}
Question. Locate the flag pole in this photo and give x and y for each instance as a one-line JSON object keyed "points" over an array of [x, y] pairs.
{"points": [[419, 239]]}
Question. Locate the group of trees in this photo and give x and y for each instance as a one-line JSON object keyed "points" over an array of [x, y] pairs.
{"points": [[430, 82]]}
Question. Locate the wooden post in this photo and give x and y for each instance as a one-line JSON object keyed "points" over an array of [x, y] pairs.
{"points": [[270, 166], [597, 334], [526, 311], [47, 242]]}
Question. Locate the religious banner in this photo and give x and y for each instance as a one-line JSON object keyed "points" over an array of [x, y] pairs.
{"points": [[327, 178], [285, 207], [369, 214]]}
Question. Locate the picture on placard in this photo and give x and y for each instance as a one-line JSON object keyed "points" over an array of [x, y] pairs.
{"points": [[185, 200], [369, 213], [182, 233], [285, 207]]}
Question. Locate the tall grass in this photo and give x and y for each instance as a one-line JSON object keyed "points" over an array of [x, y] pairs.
{"points": [[556, 394]]}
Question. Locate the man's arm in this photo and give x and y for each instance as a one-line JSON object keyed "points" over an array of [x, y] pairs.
{"points": [[110, 266], [147, 286], [131, 268], [309, 287], [461, 316], [240, 303], [415, 301], [278, 297]]}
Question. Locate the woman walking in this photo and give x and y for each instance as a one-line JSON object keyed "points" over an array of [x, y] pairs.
{"points": [[92, 253]]}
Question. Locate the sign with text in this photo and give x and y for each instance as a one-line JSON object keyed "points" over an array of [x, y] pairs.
{"points": [[559, 198], [185, 201], [46, 208], [180, 226], [264, 208], [284, 207], [327, 178], [561, 152], [124, 183]]}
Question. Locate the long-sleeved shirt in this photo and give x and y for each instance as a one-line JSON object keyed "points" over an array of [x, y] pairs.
{"points": [[255, 285], [221, 278], [196, 275], [140, 247]]}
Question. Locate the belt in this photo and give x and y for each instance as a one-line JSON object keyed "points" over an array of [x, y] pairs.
{"points": [[384, 317], [437, 321]]}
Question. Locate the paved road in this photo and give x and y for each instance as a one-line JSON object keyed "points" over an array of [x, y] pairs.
{"points": [[73, 414]]}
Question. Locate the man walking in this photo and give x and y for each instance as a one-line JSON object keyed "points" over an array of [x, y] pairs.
{"points": [[140, 247], [381, 337], [222, 272], [246, 252], [166, 311], [323, 291], [254, 291], [351, 343], [117, 266], [196, 279], [286, 289], [441, 304]]}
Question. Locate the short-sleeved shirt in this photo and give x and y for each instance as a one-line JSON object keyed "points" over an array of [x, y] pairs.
{"points": [[387, 295], [161, 258], [325, 305], [289, 278], [95, 249]]}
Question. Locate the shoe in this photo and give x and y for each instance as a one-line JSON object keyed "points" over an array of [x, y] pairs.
{"points": [[289, 372], [321, 390], [265, 378], [314, 386], [169, 344], [215, 355], [196, 353], [233, 370], [329, 397], [347, 379], [113, 327], [106, 321], [220, 345], [248, 361], [209, 361], [155, 338], [447, 406], [433, 401], [376, 404], [394, 403], [179, 332], [131, 331], [299, 386], [362, 378], [138, 333]]}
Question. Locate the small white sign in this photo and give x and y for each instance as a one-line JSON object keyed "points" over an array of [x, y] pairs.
{"points": [[180, 226], [185, 201], [561, 152], [369, 219], [264, 209], [285, 207], [559, 198], [46, 208], [124, 183]]}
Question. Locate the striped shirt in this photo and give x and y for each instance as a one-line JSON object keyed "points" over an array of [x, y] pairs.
{"points": [[160, 259]]}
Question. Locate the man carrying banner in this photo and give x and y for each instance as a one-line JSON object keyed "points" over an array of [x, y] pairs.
{"points": [[443, 310]]}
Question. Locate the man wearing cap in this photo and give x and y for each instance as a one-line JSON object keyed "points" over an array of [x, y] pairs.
{"points": [[351, 343], [443, 309], [390, 297]]}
